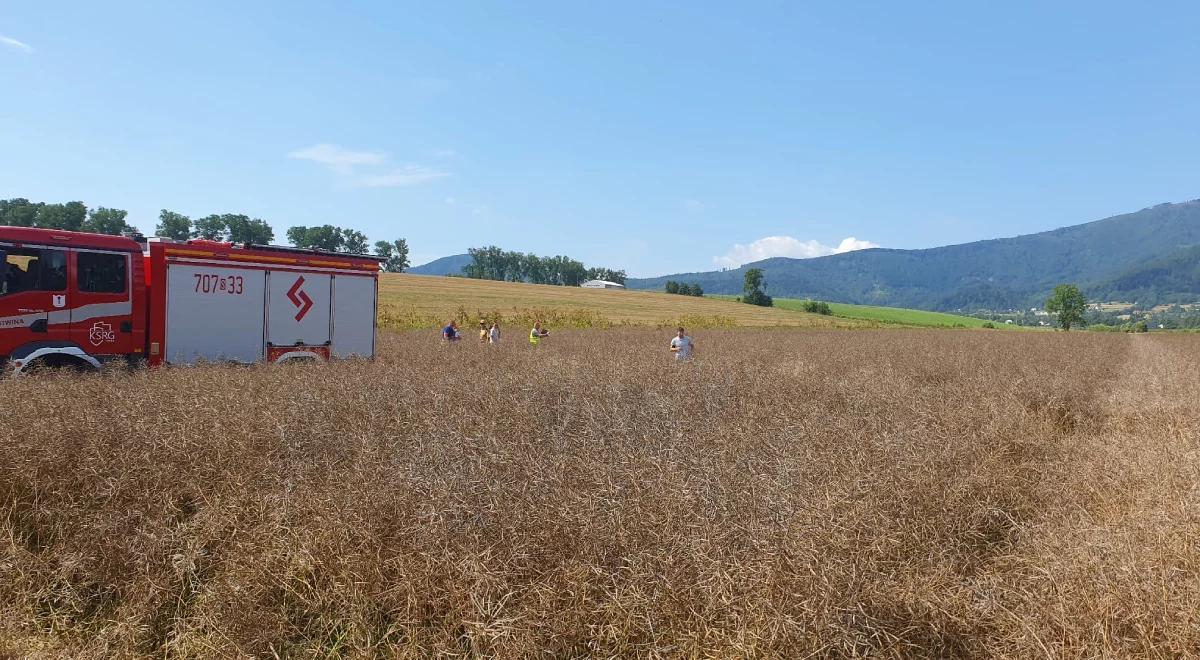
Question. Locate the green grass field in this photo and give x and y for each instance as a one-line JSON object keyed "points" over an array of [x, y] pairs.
{"points": [[894, 316]]}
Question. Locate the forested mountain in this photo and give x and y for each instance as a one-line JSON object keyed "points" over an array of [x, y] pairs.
{"points": [[1174, 278], [1001, 273], [451, 265]]}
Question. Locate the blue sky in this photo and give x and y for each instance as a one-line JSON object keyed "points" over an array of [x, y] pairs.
{"points": [[658, 138]]}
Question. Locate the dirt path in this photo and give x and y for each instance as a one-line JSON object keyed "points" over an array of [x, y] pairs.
{"points": [[1149, 378]]}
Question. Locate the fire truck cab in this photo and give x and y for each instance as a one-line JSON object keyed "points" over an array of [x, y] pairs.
{"points": [[79, 299]]}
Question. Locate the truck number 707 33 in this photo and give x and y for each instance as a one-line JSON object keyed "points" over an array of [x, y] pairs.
{"points": [[232, 284], [80, 299]]}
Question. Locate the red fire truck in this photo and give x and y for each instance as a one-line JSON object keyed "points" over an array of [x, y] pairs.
{"points": [[80, 300]]}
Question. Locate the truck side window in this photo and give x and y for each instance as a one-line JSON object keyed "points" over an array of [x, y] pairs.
{"points": [[101, 272], [33, 270], [54, 270]]}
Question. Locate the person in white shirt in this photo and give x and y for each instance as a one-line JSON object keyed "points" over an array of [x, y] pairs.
{"points": [[494, 333], [682, 346]]}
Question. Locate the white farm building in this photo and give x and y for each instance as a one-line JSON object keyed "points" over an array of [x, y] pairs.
{"points": [[601, 284]]}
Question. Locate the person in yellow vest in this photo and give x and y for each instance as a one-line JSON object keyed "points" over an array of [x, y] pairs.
{"points": [[483, 331], [537, 334]]}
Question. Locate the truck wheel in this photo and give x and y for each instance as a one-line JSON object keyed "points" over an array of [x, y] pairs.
{"points": [[55, 363]]}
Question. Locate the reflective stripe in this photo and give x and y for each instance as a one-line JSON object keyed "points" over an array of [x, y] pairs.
{"points": [[298, 268], [20, 321], [93, 311], [64, 316]]}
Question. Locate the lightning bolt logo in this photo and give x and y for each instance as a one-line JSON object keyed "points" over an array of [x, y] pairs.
{"points": [[299, 298]]}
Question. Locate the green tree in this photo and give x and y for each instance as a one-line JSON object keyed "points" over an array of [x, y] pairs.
{"points": [[107, 221], [492, 263], [18, 212], [210, 228], [485, 263], [175, 226], [816, 307], [243, 229], [565, 271], [298, 236], [697, 290], [354, 242], [672, 286], [394, 254], [606, 274], [532, 269], [752, 289], [324, 237], [513, 266], [69, 216], [1068, 303]]}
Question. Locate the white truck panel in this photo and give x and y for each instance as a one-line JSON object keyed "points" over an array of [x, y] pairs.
{"points": [[298, 308], [214, 313], [353, 316]]}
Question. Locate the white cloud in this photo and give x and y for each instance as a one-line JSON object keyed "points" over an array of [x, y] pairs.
{"points": [[13, 43], [366, 169], [785, 246], [850, 244], [409, 175], [342, 161]]}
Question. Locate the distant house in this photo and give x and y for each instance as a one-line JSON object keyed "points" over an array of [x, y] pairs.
{"points": [[601, 284]]}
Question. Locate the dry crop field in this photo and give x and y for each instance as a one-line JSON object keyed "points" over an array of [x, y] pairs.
{"points": [[892, 493]]}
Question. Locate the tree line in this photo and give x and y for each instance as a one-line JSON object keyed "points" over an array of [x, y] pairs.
{"points": [[225, 227], [684, 288], [71, 216], [494, 263]]}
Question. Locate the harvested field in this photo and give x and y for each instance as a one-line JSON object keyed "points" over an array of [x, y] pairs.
{"points": [[891, 493], [421, 301]]}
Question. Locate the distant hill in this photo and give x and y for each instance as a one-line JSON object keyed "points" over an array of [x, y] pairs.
{"points": [[1001, 273], [451, 265]]}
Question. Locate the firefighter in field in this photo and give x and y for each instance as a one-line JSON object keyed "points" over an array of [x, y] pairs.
{"points": [[537, 334], [483, 331]]}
